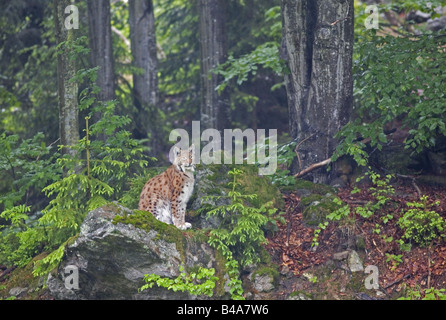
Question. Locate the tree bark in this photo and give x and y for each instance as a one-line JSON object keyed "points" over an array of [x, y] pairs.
{"points": [[215, 111], [145, 84], [101, 53], [318, 39], [67, 91]]}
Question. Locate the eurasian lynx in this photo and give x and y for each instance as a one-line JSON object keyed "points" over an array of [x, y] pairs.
{"points": [[167, 194]]}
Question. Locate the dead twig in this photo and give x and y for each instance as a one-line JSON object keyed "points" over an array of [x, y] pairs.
{"points": [[312, 167], [397, 281]]}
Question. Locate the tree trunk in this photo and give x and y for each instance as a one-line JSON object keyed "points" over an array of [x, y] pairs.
{"points": [[101, 48], [215, 112], [318, 39], [67, 91], [145, 84]]}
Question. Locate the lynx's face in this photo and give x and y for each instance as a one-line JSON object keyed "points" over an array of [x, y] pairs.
{"points": [[184, 159]]}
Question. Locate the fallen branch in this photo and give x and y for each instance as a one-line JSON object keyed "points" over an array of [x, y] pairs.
{"points": [[397, 281], [312, 167]]}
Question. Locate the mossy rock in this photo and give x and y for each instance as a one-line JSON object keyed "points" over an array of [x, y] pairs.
{"points": [[317, 188], [147, 222], [317, 207], [213, 180], [304, 187], [251, 183], [265, 278], [396, 158], [23, 278], [316, 200], [117, 247], [311, 198], [267, 269]]}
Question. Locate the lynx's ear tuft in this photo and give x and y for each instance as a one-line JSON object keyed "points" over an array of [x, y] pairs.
{"points": [[176, 151]]}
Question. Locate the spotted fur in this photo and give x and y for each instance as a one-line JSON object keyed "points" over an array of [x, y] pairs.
{"points": [[167, 194]]}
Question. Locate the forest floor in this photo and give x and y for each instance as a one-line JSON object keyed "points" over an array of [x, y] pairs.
{"points": [[292, 244], [291, 248]]}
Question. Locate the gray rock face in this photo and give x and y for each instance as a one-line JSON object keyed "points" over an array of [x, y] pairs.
{"points": [[112, 259], [263, 283], [205, 186], [436, 24], [355, 262], [17, 291]]}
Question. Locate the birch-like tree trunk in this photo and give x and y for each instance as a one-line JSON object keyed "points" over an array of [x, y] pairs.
{"points": [[67, 91], [215, 111], [318, 39], [145, 81]]}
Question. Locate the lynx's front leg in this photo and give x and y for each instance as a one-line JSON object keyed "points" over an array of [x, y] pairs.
{"points": [[179, 215]]}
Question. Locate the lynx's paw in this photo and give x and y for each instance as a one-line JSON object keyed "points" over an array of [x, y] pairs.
{"points": [[184, 226]]}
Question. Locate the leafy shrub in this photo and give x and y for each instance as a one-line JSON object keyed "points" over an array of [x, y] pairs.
{"points": [[413, 92], [285, 157], [196, 283], [381, 191], [420, 224], [26, 167], [240, 230], [426, 294], [266, 55], [339, 214], [240, 233]]}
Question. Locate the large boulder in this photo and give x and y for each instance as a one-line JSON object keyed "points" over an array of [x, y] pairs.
{"points": [[117, 247]]}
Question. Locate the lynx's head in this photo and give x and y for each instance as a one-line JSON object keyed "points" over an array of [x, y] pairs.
{"points": [[184, 159]]}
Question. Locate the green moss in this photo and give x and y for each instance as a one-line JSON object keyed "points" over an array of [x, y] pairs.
{"points": [[24, 278], [306, 201], [304, 184], [220, 272], [314, 187], [264, 256], [147, 221], [360, 243], [316, 212], [252, 183], [356, 283], [268, 270]]}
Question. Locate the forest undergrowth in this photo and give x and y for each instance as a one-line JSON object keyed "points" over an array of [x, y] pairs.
{"points": [[381, 238]]}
